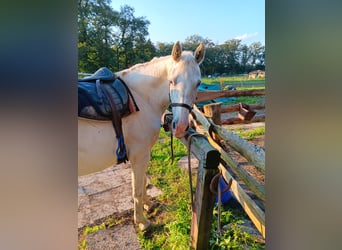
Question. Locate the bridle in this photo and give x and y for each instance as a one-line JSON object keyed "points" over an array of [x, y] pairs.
{"points": [[176, 104], [183, 105]]}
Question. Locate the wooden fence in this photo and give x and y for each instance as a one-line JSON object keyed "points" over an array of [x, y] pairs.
{"points": [[213, 156]]}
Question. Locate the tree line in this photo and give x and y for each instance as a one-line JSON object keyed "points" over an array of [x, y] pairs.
{"points": [[119, 39]]}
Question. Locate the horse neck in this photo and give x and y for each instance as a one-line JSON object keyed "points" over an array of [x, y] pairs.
{"points": [[149, 82]]}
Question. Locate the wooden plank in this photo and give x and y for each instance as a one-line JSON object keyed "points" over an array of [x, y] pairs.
{"points": [[236, 120], [253, 153], [213, 94], [213, 110], [202, 210], [202, 149], [256, 188], [253, 211], [235, 108]]}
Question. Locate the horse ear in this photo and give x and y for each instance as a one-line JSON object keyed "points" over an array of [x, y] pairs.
{"points": [[176, 51], [199, 53]]}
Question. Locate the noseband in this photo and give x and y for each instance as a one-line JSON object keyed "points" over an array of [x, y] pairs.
{"points": [[184, 105]]}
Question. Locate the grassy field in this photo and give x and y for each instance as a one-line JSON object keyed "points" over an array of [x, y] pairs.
{"points": [[172, 217], [240, 83], [237, 81]]}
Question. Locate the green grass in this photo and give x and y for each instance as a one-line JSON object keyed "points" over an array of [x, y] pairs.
{"points": [[235, 80], [172, 218], [243, 99], [241, 83], [253, 133], [233, 237], [82, 245]]}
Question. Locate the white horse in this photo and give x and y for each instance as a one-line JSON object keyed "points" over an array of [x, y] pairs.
{"points": [[171, 79]]}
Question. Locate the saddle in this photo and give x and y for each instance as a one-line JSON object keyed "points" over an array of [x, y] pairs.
{"points": [[93, 102], [103, 96], [103, 74]]}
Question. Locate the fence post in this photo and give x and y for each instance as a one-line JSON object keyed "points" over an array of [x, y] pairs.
{"points": [[202, 213], [213, 111]]}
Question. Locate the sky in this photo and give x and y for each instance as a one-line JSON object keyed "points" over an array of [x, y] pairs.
{"points": [[218, 20]]}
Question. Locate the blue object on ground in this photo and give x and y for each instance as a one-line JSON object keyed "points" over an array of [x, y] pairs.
{"points": [[226, 196], [205, 87]]}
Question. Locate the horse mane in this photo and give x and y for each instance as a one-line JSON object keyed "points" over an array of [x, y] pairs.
{"points": [[186, 56]]}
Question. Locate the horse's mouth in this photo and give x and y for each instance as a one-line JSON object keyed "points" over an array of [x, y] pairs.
{"points": [[179, 135], [180, 129]]}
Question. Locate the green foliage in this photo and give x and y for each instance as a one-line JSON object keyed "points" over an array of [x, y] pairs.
{"points": [[106, 37], [95, 22], [131, 45], [233, 236], [232, 57]]}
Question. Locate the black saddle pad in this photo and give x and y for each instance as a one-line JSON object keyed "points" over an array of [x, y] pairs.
{"points": [[93, 104]]}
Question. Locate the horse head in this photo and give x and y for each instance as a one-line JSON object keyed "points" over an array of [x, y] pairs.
{"points": [[185, 77]]}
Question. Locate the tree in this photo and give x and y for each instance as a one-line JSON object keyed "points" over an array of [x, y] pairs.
{"points": [[191, 44], [244, 58], [118, 40], [163, 49], [130, 34], [95, 22], [257, 55], [232, 55]]}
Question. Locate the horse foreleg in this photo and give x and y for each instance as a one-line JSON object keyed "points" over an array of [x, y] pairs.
{"points": [[139, 168], [146, 198]]}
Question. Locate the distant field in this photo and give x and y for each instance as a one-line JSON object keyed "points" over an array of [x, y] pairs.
{"points": [[240, 83], [237, 81]]}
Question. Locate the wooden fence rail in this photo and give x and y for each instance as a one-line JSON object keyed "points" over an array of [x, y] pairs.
{"points": [[210, 151], [210, 95], [219, 138], [253, 211], [253, 153], [213, 94]]}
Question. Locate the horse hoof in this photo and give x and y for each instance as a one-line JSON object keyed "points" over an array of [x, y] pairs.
{"points": [[147, 207], [144, 226], [151, 207], [148, 204]]}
